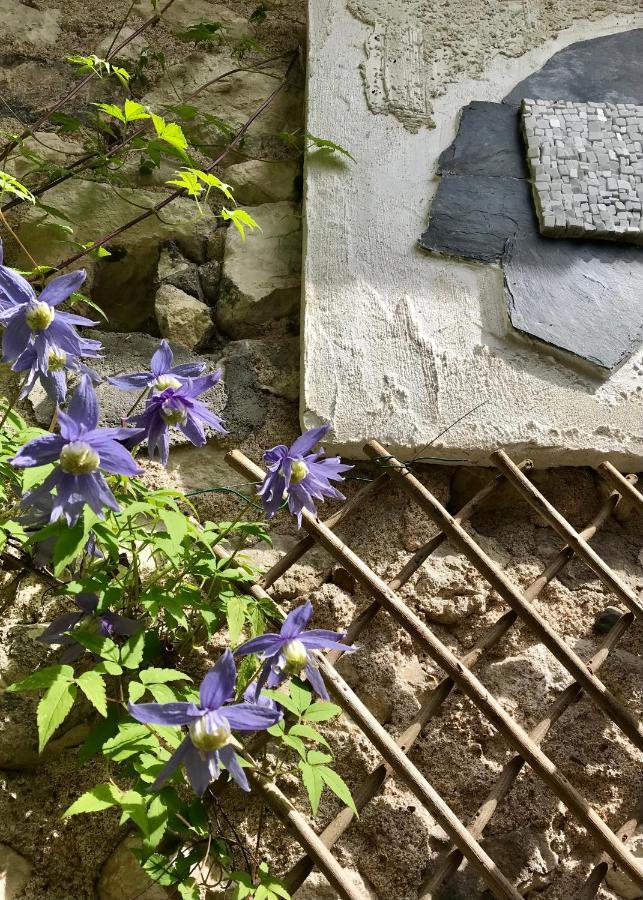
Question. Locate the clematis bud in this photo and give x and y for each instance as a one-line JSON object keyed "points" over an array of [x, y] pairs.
{"points": [[39, 315], [210, 733], [78, 458], [295, 655]]}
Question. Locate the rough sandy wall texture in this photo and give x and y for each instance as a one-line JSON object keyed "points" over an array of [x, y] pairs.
{"points": [[418, 47], [399, 343]]}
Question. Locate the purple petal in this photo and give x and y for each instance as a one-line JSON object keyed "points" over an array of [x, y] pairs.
{"points": [[55, 632], [316, 681], [121, 624], [16, 338], [87, 602], [296, 620], [306, 442], [267, 644], [271, 492], [38, 451], [83, 407], [162, 359], [187, 370], [193, 431], [177, 713], [58, 289], [218, 684], [200, 768], [200, 410], [14, 286], [230, 761], [318, 637], [114, 458], [250, 716], [137, 381], [196, 386], [172, 764]]}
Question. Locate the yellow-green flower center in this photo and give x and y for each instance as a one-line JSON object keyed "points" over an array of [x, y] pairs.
{"points": [[209, 737], [163, 382], [39, 315], [298, 471], [174, 415], [295, 655], [56, 360], [78, 458]]}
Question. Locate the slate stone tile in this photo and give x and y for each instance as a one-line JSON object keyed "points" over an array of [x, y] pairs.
{"points": [[582, 296], [489, 142]]}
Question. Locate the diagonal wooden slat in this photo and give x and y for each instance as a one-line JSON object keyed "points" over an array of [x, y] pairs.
{"points": [[466, 680], [600, 870], [438, 695], [560, 525], [593, 686], [620, 483]]}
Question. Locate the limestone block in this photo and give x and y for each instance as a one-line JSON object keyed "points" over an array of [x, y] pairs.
{"points": [[39, 27], [261, 275], [123, 284], [14, 873], [178, 271], [259, 181], [182, 318], [210, 279], [122, 877]]}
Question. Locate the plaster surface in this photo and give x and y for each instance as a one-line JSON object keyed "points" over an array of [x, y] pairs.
{"points": [[397, 343]]}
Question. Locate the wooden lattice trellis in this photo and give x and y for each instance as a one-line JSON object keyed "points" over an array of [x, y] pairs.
{"points": [[458, 673]]}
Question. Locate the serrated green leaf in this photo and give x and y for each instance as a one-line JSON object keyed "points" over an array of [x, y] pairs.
{"points": [[112, 110], [321, 711], [240, 219], [135, 691], [106, 667], [32, 477], [96, 643], [54, 708], [43, 679], [134, 111], [130, 740], [235, 616], [132, 651], [163, 693], [188, 890], [162, 676], [313, 783], [101, 797], [338, 786], [301, 696], [93, 687], [308, 732], [157, 817], [283, 700], [134, 807]]}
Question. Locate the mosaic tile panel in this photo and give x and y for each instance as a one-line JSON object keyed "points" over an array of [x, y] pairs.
{"points": [[586, 163]]}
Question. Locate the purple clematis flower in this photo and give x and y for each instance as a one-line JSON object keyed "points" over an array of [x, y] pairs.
{"points": [[301, 475], [209, 744], [53, 376], [83, 451], [32, 321], [288, 653], [164, 374], [106, 624], [178, 407]]}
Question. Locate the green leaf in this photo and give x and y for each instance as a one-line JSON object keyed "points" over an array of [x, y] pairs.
{"points": [[132, 651], [96, 643], [157, 816], [134, 807], [325, 146], [67, 124], [106, 667], [301, 696], [171, 133], [235, 615], [313, 783], [188, 890], [321, 711], [338, 786], [12, 186], [162, 676], [134, 111], [54, 708], [72, 541], [130, 740], [99, 798], [240, 219], [43, 679], [135, 691], [306, 731], [93, 687], [176, 526], [283, 700], [99, 735], [112, 110], [202, 31]]}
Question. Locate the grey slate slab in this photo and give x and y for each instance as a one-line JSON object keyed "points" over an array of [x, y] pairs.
{"points": [[609, 69], [582, 296]]}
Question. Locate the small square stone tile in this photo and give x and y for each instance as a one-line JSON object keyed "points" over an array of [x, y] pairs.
{"points": [[586, 165]]}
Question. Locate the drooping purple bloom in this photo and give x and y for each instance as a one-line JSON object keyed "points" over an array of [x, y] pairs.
{"points": [[83, 451], [209, 743], [178, 407], [301, 475], [288, 653], [163, 373], [53, 375], [106, 624], [32, 321]]}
